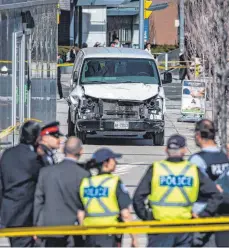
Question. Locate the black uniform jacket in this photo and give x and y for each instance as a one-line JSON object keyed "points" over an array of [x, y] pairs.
{"points": [[19, 170], [55, 200], [207, 190]]}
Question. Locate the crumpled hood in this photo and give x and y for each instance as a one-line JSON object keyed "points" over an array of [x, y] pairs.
{"points": [[130, 91]]}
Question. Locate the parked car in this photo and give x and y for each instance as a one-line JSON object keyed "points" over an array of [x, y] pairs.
{"points": [[116, 91]]}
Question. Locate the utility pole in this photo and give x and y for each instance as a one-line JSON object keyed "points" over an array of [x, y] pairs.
{"points": [[141, 24], [182, 26]]}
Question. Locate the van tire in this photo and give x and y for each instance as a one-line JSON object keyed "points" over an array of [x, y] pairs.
{"points": [[71, 126], [159, 138], [81, 135]]}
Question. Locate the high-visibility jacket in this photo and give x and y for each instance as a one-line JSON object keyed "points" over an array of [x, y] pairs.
{"points": [[98, 195], [174, 189]]}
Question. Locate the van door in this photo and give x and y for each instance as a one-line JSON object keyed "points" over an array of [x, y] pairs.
{"points": [[77, 68]]}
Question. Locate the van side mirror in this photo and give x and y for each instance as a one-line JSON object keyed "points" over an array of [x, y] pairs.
{"points": [[168, 78], [75, 77]]}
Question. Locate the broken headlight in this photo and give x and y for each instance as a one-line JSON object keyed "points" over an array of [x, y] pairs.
{"points": [[155, 108], [74, 100], [89, 109]]}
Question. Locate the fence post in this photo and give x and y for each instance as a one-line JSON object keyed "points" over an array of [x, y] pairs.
{"points": [[166, 61]]}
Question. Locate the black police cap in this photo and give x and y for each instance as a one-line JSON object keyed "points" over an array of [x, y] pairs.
{"points": [[52, 129]]}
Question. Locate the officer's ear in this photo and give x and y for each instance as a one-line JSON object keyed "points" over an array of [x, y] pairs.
{"points": [[184, 150], [81, 151]]}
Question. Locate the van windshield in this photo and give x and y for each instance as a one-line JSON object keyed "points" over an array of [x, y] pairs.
{"points": [[119, 70]]}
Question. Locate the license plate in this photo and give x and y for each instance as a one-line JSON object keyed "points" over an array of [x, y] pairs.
{"points": [[121, 125]]}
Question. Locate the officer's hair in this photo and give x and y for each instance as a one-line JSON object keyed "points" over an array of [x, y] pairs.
{"points": [[206, 129], [91, 164], [175, 153], [29, 133]]}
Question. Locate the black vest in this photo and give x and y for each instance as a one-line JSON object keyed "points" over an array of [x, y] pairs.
{"points": [[217, 163]]}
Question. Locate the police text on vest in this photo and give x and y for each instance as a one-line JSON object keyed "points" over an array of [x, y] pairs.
{"points": [[96, 192], [176, 181]]}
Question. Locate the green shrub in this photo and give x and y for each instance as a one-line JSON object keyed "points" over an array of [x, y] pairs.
{"points": [[62, 50], [163, 48]]}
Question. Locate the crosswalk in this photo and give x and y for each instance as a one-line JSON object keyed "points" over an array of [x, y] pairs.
{"points": [[122, 169]]}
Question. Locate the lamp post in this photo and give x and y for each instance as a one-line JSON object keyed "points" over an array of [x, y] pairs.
{"points": [[141, 24]]}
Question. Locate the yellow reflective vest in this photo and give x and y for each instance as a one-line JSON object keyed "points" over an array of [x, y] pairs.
{"points": [[174, 189], [98, 195]]}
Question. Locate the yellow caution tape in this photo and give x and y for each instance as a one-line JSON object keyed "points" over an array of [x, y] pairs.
{"points": [[32, 119], [6, 61], [10, 129], [7, 131], [138, 227], [65, 65]]}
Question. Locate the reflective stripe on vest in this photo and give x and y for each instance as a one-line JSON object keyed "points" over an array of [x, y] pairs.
{"points": [[96, 193], [163, 202]]}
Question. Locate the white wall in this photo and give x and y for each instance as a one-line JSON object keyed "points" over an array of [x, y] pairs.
{"points": [[94, 25]]}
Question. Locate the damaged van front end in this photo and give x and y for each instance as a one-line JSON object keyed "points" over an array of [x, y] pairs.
{"points": [[125, 108]]}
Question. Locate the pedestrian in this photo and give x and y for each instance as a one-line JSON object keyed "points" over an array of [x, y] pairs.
{"points": [[112, 44], [148, 48], [73, 53], [55, 202], [117, 42], [97, 44], [172, 186], [214, 162], [84, 45], [49, 142], [103, 199], [114, 36], [59, 86], [19, 170]]}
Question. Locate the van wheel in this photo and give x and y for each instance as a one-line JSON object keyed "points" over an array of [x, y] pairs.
{"points": [[159, 138], [81, 135], [148, 136], [71, 125]]}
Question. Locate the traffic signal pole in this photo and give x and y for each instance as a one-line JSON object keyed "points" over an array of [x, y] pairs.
{"points": [[141, 24]]}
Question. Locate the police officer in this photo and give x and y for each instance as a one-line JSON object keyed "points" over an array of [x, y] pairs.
{"points": [[49, 142], [214, 162], [172, 186], [103, 199], [19, 170]]}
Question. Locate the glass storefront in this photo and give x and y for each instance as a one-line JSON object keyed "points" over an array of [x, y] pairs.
{"points": [[120, 26]]}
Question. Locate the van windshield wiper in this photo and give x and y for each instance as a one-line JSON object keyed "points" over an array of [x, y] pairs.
{"points": [[130, 82], [94, 82]]}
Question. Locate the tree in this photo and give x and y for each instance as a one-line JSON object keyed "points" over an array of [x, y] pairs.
{"points": [[207, 27]]}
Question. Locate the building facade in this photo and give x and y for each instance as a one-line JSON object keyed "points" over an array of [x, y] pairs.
{"points": [[162, 25], [103, 19]]}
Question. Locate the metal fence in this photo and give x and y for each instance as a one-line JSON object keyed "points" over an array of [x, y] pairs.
{"points": [[167, 60], [28, 62]]}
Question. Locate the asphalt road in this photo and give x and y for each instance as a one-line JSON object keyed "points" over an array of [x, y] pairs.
{"points": [[138, 153]]}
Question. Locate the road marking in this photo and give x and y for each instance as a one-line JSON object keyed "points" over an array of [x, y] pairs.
{"points": [[124, 168]]}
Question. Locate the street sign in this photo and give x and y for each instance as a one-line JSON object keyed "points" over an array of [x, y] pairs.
{"points": [[193, 103], [177, 23], [147, 13], [146, 30]]}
